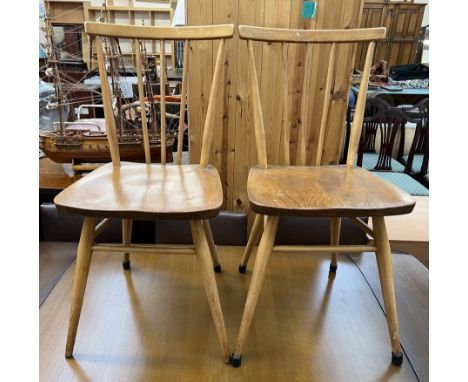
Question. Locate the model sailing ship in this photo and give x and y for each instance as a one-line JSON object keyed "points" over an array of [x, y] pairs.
{"points": [[84, 140]]}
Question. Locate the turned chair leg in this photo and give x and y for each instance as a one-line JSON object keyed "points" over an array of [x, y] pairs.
{"points": [[384, 264], [211, 244], [126, 240], [203, 254], [253, 239], [83, 259], [258, 276], [335, 225]]}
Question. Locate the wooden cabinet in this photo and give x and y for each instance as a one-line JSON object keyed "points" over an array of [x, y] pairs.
{"points": [[403, 22]]}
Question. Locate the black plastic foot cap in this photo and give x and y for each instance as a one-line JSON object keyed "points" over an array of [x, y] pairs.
{"points": [[68, 356], [236, 360], [397, 359], [242, 268], [126, 264], [333, 268], [217, 268]]}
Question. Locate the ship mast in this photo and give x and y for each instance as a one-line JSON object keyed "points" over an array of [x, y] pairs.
{"points": [[149, 89], [113, 53], [52, 69]]}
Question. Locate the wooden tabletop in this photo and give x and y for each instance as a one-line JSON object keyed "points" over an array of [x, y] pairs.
{"points": [[413, 226], [55, 176]]}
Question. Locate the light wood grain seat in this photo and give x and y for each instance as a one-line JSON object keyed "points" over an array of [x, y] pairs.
{"points": [[139, 191], [330, 191]]}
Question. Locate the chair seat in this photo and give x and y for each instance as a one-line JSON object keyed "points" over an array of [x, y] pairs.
{"points": [[324, 191], [138, 190]]}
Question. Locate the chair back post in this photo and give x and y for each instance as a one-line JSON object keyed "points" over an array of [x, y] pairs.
{"points": [[326, 105], [162, 92], [308, 37], [303, 137], [141, 98], [107, 102], [183, 102], [138, 33], [286, 120], [208, 129], [257, 110], [360, 108]]}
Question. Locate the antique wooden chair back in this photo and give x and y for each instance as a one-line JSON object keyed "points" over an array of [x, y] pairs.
{"points": [[386, 123], [420, 144], [307, 37], [369, 130], [101, 31]]}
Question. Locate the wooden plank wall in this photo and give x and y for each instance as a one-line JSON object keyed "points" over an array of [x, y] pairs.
{"points": [[234, 145]]}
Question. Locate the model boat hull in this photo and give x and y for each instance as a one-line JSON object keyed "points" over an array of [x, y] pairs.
{"points": [[96, 150]]}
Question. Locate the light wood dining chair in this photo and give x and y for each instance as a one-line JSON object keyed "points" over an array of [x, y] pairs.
{"points": [[127, 191], [333, 191]]}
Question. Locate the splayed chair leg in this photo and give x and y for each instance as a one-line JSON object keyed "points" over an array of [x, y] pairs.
{"points": [[384, 264], [258, 276], [83, 259]]}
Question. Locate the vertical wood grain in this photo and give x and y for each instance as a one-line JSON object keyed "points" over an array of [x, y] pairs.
{"points": [[141, 97], [162, 87], [183, 101], [236, 116], [107, 102], [201, 63], [209, 127]]}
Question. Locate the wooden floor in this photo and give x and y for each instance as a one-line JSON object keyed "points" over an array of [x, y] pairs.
{"points": [[153, 323]]}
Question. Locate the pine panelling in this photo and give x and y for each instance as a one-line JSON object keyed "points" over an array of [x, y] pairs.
{"points": [[345, 53], [250, 12], [234, 145], [325, 20], [225, 12], [298, 70], [200, 75], [271, 84]]}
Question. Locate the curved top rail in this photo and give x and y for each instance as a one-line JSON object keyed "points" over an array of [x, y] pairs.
{"points": [[203, 32], [310, 36]]}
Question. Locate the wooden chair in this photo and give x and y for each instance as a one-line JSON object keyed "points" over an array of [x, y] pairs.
{"points": [[336, 191], [127, 191], [387, 122]]}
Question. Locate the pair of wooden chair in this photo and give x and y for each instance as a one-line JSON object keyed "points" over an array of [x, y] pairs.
{"points": [[129, 191]]}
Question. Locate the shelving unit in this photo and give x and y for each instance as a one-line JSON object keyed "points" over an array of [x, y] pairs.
{"points": [[77, 12], [134, 15]]}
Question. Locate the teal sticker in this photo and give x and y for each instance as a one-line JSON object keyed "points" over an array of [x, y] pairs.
{"points": [[309, 9]]}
